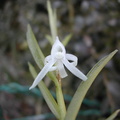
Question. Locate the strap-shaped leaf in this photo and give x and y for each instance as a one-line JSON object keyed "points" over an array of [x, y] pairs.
{"points": [[46, 94], [67, 39], [114, 115], [80, 93], [52, 20], [34, 48], [49, 38]]}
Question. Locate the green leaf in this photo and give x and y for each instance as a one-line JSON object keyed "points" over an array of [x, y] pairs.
{"points": [[46, 94], [34, 48], [80, 93], [112, 117], [67, 39], [52, 20], [49, 39]]}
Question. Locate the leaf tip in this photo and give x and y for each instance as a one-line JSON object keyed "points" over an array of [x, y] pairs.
{"points": [[118, 110], [48, 4], [28, 27], [29, 64], [115, 51]]}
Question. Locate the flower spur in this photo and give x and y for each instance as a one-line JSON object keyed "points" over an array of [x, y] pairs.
{"points": [[56, 61]]}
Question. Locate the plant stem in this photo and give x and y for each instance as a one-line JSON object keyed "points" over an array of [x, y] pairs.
{"points": [[60, 99], [61, 102]]}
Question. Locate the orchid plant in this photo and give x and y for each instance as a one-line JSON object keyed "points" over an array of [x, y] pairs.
{"points": [[56, 62]]}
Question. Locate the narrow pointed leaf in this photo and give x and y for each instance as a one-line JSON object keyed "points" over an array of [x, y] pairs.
{"points": [[66, 39], [55, 20], [114, 115], [49, 38], [46, 93], [52, 20], [34, 48], [80, 93]]}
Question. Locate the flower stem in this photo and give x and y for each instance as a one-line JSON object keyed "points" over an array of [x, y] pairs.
{"points": [[60, 98], [59, 78], [61, 102]]}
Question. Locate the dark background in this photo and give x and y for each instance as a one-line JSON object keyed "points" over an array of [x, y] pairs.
{"points": [[95, 28]]}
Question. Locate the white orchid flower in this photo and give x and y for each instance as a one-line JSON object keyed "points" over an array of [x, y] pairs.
{"points": [[56, 61]]}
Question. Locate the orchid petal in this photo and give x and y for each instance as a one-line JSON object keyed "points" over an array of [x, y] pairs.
{"points": [[74, 70], [73, 58], [42, 73], [61, 69], [57, 47], [47, 59]]}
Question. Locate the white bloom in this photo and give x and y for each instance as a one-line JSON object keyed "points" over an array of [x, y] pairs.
{"points": [[56, 61]]}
